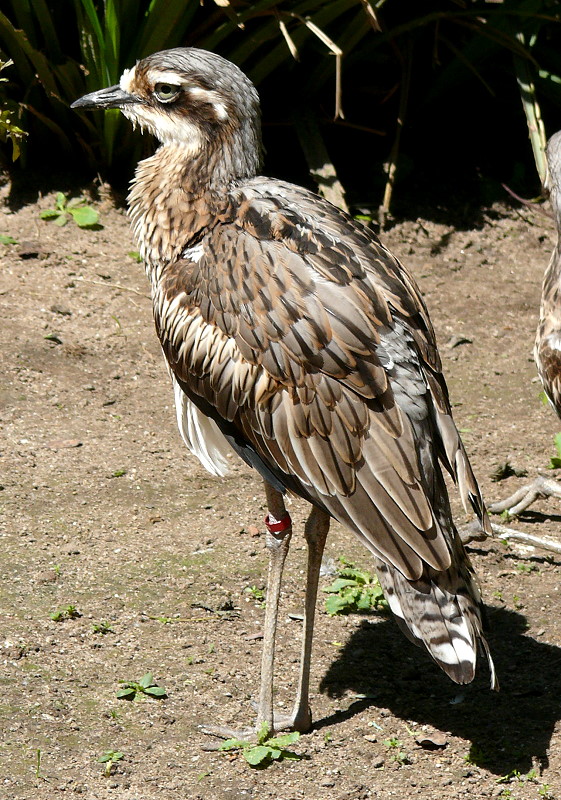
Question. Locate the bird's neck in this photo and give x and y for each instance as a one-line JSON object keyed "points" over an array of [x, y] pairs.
{"points": [[180, 191]]}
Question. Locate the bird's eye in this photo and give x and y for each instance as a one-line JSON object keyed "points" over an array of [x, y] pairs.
{"points": [[166, 92]]}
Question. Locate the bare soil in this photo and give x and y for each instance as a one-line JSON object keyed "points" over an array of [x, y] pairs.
{"points": [[102, 508]]}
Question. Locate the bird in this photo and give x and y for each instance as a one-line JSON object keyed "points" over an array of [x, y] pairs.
{"points": [[547, 345], [296, 339]]}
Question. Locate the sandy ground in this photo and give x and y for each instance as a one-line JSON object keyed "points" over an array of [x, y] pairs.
{"points": [[103, 509]]}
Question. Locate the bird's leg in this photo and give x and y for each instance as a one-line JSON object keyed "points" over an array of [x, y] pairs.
{"points": [[279, 532], [316, 531], [526, 495]]}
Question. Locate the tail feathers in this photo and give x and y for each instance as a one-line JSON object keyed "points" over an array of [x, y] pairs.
{"points": [[442, 612]]}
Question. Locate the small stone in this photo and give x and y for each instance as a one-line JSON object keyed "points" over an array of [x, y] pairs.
{"points": [[64, 312], [432, 741]]}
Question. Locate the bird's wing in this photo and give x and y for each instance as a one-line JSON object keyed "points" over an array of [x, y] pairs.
{"points": [[309, 345]]}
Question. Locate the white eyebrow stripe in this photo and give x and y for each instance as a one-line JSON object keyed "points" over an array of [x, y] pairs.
{"points": [[212, 97], [160, 76]]}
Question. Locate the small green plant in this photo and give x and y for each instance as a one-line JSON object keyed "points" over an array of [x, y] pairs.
{"points": [[76, 208], [5, 239], [513, 775], [119, 473], [145, 685], [68, 612], [257, 594], [526, 568], [109, 758], [399, 755], [354, 590], [266, 750], [102, 627], [555, 461], [135, 255]]}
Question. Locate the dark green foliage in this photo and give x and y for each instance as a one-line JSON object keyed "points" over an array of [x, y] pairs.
{"points": [[453, 71]]}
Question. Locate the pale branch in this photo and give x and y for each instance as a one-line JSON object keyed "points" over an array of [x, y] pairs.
{"points": [[474, 532]]}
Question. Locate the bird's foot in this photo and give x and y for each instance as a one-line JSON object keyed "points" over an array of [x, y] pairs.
{"points": [[299, 720], [523, 498]]}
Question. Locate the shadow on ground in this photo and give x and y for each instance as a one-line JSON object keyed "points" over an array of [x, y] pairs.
{"points": [[507, 730]]}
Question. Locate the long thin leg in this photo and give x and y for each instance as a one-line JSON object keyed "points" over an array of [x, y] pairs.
{"points": [[277, 543], [316, 531]]}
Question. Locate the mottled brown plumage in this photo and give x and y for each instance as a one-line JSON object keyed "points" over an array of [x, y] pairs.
{"points": [[547, 351], [294, 336]]}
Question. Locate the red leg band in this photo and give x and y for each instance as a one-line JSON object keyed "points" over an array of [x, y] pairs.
{"points": [[281, 525]]}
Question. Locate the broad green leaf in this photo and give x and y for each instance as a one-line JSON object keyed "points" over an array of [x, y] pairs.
{"points": [[155, 691], [338, 584], [232, 744], [284, 739], [61, 220], [60, 201], [84, 216], [146, 680], [335, 604], [263, 732], [256, 755], [126, 694], [50, 213], [557, 440], [5, 239], [364, 602]]}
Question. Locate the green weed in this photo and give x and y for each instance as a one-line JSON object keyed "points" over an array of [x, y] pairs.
{"points": [[266, 750], [76, 208], [102, 627], [68, 612], [399, 755], [109, 758], [146, 685], [555, 461], [354, 590]]}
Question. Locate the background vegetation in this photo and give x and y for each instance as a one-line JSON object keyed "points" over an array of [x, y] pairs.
{"points": [[445, 89]]}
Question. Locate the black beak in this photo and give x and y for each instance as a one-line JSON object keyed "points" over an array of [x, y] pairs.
{"points": [[113, 97]]}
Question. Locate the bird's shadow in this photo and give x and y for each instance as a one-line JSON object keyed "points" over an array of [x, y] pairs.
{"points": [[510, 729]]}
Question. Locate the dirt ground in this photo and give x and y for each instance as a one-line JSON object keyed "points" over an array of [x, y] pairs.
{"points": [[103, 509]]}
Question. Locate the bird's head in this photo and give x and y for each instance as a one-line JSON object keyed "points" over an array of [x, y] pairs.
{"points": [[193, 98]]}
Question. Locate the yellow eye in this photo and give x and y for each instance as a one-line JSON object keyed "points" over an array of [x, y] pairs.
{"points": [[166, 92]]}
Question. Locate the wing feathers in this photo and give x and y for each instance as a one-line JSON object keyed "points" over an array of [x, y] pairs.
{"points": [[310, 345]]}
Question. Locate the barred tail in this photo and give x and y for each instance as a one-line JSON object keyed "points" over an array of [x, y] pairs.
{"points": [[441, 611]]}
